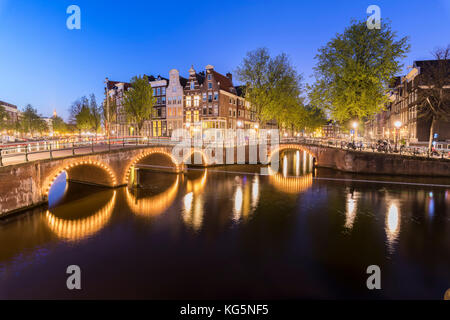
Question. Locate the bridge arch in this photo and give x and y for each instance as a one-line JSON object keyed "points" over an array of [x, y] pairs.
{"points": [[146, 154], [291, 146], [104, 174]]}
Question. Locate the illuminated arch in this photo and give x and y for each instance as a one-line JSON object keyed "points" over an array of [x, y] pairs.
{"points": [[55, 174], [205, 159], [145, 154], [291, 185], [152, 206], [282, 147], [78, 229]]}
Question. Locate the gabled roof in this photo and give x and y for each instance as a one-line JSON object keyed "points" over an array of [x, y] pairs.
{"points": [[224, 82], [3, 103]]}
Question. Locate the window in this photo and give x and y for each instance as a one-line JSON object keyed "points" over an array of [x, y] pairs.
{"points": [[209, 85], [179, 99], [188, 116], [209, 97], [204, 111], [216, 96], [216, 110], [154, 91], [174, 89], [164, 90], [188, 101], [209, 76], [196, 117], [204, 96], [158, 91], [196, 101], [192, 85], [163, 100]]}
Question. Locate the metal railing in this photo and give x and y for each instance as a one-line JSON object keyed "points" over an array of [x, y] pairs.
{"points": [[370, 147], [25, 150]]}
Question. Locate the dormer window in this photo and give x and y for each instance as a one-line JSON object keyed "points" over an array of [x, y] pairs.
{"points": [[192, 85], [209, 77]]}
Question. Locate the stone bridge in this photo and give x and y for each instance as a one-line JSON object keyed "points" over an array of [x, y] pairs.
{"points": [[27, 184]]}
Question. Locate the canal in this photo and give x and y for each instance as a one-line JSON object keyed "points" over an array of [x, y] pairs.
{"points": [[228, 232]]}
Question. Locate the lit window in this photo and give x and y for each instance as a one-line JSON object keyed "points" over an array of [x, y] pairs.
{"points": [[188, 101], [196, 101]]}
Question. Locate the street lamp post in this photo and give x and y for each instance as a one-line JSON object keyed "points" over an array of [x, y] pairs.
{"points": [[355, 126], [397, 125]]}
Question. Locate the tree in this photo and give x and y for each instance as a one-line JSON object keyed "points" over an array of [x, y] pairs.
{"points": [[316, 118], [272, 86], [95, 114], [434, 89], [80, 114], [138, 102], [59, 126], [354, 69], [31, 122]]}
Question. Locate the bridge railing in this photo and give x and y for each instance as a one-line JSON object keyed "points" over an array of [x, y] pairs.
{"points": [[369, 147], [22, 152]]}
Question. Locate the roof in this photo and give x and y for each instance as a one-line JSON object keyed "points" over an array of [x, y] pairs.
{"points": [[3, 103], [240, 91], [113, 84], [225, 83]]}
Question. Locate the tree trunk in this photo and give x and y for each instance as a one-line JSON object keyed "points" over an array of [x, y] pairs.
{"points": [[430, 142]]}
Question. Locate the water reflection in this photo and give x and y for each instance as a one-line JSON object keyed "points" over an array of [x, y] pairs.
{"points": [[351, 208], [193, 202], [392, 225], [78, 229], [151, 206]]}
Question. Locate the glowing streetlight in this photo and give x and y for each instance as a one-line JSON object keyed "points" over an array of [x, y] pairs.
{"points": [[397, 125], [239, 124], [355, 125], [256, 126]]}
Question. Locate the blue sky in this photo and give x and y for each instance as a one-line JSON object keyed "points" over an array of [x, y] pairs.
{"points": [[49, 66]]}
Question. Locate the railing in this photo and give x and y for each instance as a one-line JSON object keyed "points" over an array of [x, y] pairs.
{"points": [[92, 145], [23, 151], [371, 147]]}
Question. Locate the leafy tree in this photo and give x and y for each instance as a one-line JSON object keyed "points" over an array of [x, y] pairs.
{"points": [[59, 126], [434, 90], [80, 114], [31, 122], [273, 86], [316, 118], [138, 102], [354, 69]]}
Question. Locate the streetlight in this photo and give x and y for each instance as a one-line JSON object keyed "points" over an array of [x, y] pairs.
{"points": [[354, 125], [397, 125]]}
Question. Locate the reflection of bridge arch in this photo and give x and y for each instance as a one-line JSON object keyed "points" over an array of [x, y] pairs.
{"points": [[78, 229], [155, 205], [291, 185], [71, 169], [148, 153]]}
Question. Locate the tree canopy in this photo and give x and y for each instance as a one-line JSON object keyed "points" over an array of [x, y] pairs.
{"points": [[31, 122], [138, 102], [354, 69], [273, 87]]}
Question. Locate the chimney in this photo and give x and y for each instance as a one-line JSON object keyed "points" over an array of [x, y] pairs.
{"points": [[230, 76]]}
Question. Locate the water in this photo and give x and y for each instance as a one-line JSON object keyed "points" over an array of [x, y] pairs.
{"points": [[227, 232]]}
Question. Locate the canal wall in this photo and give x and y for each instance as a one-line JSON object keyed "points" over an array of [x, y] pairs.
{"points": [[379, 163]]}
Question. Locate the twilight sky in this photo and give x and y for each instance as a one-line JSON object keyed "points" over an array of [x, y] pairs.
{"points": [[49, 66]]}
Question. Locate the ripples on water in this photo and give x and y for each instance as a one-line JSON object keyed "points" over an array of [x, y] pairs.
{"points": [[218, 233]]}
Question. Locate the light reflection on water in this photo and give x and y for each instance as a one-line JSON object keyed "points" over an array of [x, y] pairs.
{"points": [[282, 229]]}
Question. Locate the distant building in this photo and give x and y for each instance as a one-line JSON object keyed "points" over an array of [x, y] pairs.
{"points": [[115, 91], [12, 112], [331, 130]]}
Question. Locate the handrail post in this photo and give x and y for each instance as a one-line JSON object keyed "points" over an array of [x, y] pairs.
{"points": [[123, 142], [92, 145], [26, 154], [109, 143], [1, 161], [51, 153], [73, 148]]}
